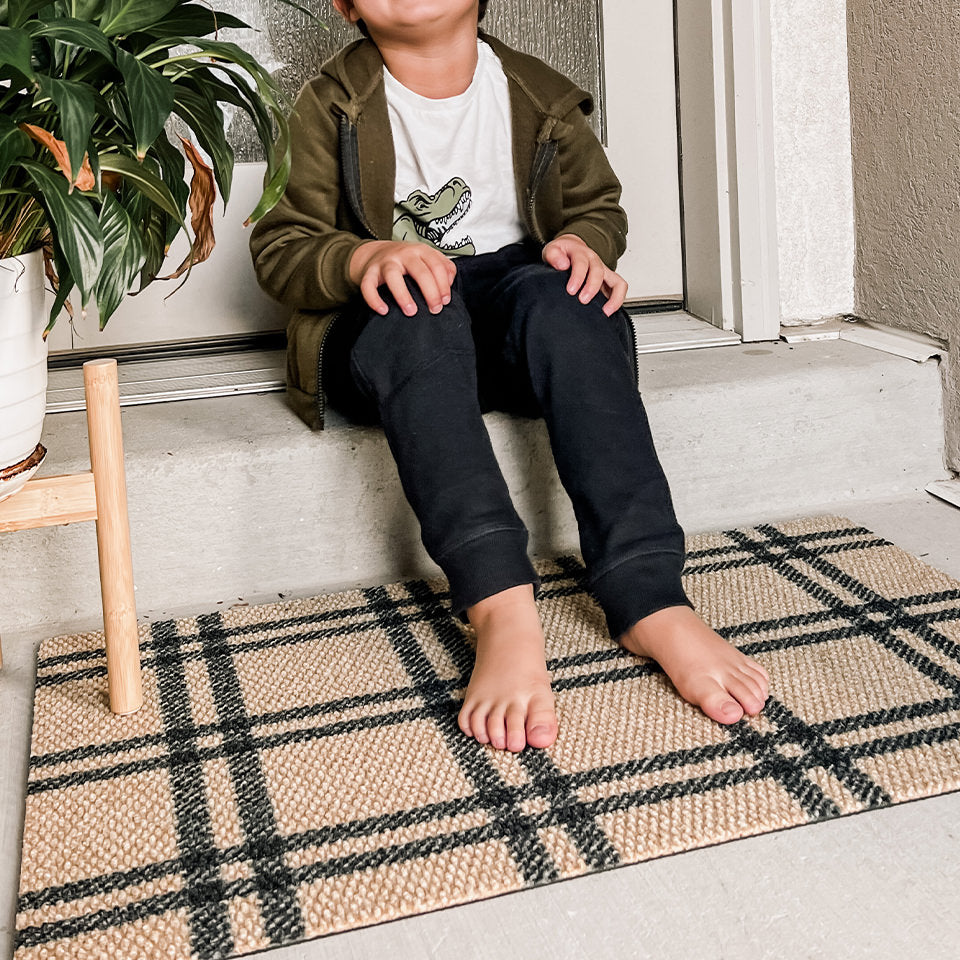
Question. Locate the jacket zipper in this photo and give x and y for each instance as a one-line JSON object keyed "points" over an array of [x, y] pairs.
{"points": [[350, 167], [546, 153], [631, 327], [321, 399]]}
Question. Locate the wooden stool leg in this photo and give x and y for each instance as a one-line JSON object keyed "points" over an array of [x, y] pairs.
{"points": [[113, 535]]}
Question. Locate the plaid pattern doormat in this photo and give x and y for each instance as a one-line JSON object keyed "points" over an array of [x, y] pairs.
{"points": [[297, 768]]}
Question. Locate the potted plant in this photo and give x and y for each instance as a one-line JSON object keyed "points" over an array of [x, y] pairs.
{"points": [[93, 185]]}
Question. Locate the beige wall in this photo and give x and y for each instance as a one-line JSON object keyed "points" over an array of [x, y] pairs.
{"points": [[904, 61]]}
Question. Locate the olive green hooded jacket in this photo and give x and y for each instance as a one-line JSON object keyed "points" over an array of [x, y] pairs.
{"points": [[341, 191]]}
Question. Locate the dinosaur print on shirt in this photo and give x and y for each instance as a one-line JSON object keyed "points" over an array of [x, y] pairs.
{"points": [[423, 218]]}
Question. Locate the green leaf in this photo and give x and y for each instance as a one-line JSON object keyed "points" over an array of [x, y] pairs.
{"points": [[13, 143], [277, 175], [156, 252], [84, 9], [75, 104], [172, 169], [15, 51], [150, 96], [205, 119], [126, 16], [65, 287], [141, 179], [273, 191], [76, 232], [77, 32], [240, 94], [21, 10], [231, 53], [123, 256], [192, 19]]}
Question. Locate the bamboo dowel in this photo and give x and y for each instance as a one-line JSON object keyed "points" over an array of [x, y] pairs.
{"points": [[49, 502], [113, 535]]}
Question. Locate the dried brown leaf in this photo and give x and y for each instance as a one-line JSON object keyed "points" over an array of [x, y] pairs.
{"points": [[85, 178], [203, 195]]}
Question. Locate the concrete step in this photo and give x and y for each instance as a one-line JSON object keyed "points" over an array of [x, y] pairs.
{"points": [[234, 499]]}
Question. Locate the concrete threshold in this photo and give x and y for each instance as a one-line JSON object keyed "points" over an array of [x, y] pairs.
{"points": [[233, 499]]}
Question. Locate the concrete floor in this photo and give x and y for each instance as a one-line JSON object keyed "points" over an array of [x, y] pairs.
{"points": [[877, 885]]}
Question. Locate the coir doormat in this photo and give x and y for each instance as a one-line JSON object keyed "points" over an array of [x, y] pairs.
{"points": [[297, 768]]}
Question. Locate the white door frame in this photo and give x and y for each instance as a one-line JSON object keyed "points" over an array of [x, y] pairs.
{"points": [[731, 266]]}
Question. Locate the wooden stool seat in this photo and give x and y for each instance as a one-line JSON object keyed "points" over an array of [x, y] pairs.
{"points": [[98, 494]]}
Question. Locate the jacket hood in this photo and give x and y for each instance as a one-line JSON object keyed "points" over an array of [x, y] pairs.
{"points": [[358, 71]]}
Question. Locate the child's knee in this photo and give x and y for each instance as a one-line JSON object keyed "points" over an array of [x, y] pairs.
{"points": [[539, 283], [550, 322], [393, 346], [540, 292]]}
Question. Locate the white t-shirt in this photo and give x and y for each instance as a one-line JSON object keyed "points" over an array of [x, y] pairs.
{"points": [[454, 183]]}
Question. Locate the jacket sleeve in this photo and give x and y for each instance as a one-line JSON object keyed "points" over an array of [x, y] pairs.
{"points": [[300, 257], [591, 190]]}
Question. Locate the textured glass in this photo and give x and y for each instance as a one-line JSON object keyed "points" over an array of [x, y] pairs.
{"points": [[565, 33]]}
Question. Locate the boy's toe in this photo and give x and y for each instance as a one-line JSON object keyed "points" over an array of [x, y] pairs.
{"points": [[516, 733], [759, 674], [477, 723], [497, 728], [541, 723], [463, 720], [718, 704], [746, 693], [541, 733], [756, 686]]}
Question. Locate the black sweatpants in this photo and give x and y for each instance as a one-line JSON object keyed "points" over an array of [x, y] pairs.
{"points": [[513, 339]]}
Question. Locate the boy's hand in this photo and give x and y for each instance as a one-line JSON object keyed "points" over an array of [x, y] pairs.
{"points": [[389, 261], [588, 273]]}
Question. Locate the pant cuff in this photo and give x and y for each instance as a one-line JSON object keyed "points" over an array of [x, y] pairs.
{"points": [[486, 565], [638, 587]]}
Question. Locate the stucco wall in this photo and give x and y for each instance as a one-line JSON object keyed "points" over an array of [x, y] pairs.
{"points": [[904, 62], [812, 150]]}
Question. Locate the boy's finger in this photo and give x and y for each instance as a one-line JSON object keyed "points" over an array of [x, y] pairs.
{"points": [[578, 273], [423, 276], [443, 279], [393, 278], [451, 266], [594, 281], [617, 288], [556, 257], [369, 290]]}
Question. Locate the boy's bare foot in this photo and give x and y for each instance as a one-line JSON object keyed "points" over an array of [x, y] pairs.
{"points": [[508, 702], [706, 670]]}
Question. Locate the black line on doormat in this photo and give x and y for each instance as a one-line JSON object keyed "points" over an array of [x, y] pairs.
{"points": [[209, 921], [279, 908]]}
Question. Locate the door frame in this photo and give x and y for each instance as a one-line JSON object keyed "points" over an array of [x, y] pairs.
{"points": [[728, 185]]}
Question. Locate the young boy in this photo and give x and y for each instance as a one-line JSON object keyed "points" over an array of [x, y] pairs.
{"points": [[448, 240]]}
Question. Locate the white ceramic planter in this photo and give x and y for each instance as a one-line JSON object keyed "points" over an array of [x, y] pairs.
{"points": [[23, 369]]}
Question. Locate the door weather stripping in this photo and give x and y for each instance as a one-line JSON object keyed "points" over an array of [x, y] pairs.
{"points": [[903, 343]]}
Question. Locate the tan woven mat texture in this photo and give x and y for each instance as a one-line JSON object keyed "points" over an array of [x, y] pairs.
{"points": [[297, 768]]}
